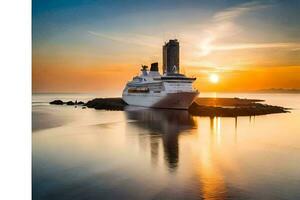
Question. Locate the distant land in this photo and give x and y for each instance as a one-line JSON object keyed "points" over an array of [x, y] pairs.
{"points": [[279, 90]]}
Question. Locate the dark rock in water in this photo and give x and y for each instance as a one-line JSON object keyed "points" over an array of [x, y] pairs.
{"points": [[57, 102], [106, 104], [70, 103], [246, 110], [98, 103]]}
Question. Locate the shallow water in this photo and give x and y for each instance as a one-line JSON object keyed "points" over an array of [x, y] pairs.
{"points": [[164, 154]]}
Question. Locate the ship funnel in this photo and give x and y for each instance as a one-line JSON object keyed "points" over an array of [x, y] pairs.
{"points": [[171, 56], [154, 67]]}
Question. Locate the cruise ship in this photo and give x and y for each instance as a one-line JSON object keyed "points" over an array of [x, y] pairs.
{"points": [[171, 90]]}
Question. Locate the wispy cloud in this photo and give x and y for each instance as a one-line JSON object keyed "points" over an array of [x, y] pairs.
{"points": [[136, 39], [224, 25], [291, 46], [234, 12]]}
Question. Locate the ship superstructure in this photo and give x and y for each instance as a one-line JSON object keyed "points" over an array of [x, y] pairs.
{"points": [[151, 89]]}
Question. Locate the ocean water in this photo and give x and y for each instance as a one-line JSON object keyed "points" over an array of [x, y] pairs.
{"points": [[163, 154]]}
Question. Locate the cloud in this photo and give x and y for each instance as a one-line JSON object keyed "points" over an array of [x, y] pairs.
{"points": [[291, 46], [223, 25], [134, 39], [234, 12]]}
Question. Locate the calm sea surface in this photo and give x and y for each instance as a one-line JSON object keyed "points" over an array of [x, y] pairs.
{"points": [[80, 154]]}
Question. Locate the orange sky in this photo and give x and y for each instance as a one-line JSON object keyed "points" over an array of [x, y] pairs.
{"points": [[250, 45], [95, 79]]}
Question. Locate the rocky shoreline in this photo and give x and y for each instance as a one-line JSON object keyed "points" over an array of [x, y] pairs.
{"points": [[251, 110], [98, 103], [225, 107], [69, 103]]}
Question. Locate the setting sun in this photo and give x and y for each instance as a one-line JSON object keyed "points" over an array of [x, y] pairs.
{"points": [[214, 78]]}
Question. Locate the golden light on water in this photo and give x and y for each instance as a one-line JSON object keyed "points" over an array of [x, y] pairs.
{"points": [[214, 78]]}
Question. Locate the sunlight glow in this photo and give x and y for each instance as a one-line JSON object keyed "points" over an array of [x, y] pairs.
{"points": [[214, 78]]}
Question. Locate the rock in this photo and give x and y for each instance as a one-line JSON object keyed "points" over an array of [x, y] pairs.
{"points": [[106, 104], [244, 110], [70, 103], [80, 103], [57, 102], [83, 107]]}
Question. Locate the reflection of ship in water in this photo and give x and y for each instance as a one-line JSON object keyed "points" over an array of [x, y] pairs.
{"points": [[165, 124]]}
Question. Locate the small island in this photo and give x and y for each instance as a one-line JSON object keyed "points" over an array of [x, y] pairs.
{"points": [[224, 107], [232, 107]]}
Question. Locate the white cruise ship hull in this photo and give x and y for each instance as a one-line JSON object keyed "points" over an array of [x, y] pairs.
{"points": [[180, 100]]}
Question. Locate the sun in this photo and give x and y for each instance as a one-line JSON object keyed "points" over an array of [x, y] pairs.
{"points": [[214, 78]]}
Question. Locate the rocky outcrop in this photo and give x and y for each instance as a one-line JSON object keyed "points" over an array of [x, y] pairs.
{"points": [[234, 111], [107, 104], [57, 102], [69, 103], [80, 103]]}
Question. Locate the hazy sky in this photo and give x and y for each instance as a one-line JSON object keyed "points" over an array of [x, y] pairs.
{"points": [[92, 45]]}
